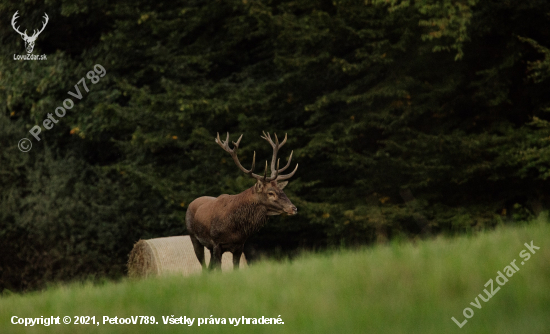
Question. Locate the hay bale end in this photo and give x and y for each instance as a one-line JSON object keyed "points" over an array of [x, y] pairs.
{"points": [[171, 255]]}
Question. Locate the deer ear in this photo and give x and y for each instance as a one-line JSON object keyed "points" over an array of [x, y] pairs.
{"points": [[259, 186], [282, 185]]}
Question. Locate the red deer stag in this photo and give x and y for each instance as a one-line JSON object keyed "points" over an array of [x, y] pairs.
{"points": [[224, 223]]}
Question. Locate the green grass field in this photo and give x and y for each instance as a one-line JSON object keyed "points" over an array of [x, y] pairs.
{"points": [[396, 288]]}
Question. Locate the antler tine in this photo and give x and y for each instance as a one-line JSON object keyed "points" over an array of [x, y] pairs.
{"points": [[287, 176], [238, 141], [265, 172], [220, 142], [287, 165], [283, 142], [233, 153]]}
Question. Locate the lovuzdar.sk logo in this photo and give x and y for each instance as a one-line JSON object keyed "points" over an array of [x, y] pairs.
{"points": [[29, 40]]}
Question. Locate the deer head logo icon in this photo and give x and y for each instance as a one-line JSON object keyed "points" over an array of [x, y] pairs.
{"points": [[29, 40]]}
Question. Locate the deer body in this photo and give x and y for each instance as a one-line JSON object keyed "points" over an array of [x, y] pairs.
{"points": [[225, 223]]}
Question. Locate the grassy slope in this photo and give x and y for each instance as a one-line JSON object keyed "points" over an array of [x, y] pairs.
{"points": [[407, 288]]}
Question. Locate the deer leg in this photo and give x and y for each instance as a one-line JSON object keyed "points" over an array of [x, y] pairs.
{"points": [[216, 259], [211, 263], [237, 257], [199, 250]]}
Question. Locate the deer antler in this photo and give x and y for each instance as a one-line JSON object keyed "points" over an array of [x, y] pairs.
{"points": [[14, 18], [274, 169], [276, 146], [233, 153]]}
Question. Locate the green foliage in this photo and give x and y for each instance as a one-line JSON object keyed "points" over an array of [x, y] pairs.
{"points": [[394, 138]]}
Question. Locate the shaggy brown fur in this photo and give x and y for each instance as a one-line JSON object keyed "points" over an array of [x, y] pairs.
{"points": [[224, 224]]}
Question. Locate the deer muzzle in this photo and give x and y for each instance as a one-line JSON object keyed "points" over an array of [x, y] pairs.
{"points": [[291, 210]]}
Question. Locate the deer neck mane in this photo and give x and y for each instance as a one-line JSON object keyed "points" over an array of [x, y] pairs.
{"points": [[248, 214]]}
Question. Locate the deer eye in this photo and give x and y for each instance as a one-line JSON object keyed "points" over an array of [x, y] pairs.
{"points": [[271, 193]]}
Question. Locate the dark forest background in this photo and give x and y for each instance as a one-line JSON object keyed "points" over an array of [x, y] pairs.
{"points": [[408, 118]]}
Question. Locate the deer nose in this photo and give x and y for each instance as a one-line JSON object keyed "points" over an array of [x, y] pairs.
{"points": [[294, 210]]}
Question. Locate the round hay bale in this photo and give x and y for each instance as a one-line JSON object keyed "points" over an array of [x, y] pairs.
{"points": [[171, 255]]}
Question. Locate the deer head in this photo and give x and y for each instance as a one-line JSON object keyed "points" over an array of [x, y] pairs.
{"points": [[29, 40], [268, 190]]}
